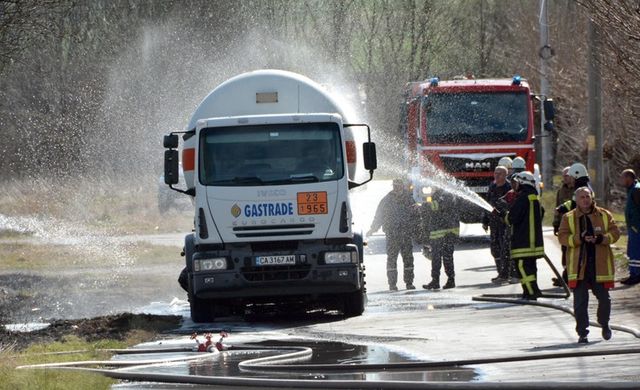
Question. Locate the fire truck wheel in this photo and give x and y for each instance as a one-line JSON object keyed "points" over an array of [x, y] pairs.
{"points": [[354, 303]]}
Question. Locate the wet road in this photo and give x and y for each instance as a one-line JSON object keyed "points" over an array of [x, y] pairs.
{"points": [[443, 325], [415, 325]]}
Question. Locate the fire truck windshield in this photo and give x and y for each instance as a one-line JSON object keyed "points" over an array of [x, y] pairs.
{"points": [[270, 154], [476, 117]]}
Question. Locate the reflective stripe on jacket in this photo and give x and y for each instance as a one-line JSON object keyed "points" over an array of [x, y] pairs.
{"points": [[525, 218], [569, 235], [440, 217]]}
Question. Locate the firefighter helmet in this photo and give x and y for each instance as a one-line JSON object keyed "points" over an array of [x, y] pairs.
{"points": [[578, 170], [518, 164], [525, 178], [505, 162]]}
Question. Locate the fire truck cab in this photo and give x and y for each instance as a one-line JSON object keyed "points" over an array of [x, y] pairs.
{"points": [[463, 128]]}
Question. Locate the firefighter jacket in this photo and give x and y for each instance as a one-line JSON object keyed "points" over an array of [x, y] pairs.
{"points": [[572, 226], [397, 214], [440, 217], [564, 194], [632, 208], [525, 218]]}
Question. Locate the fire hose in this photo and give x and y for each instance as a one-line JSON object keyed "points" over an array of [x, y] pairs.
{"points": [[285, 362], [514, 299], [288, 360]]}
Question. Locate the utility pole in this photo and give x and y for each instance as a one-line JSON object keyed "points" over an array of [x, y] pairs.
{"points": [[547, 137], [594, 112]]}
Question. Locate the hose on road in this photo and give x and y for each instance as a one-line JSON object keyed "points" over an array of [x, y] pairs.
{"points": [[514, 299], [284, 363]]}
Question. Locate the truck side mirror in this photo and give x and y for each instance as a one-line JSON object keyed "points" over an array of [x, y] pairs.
{"points": [[370, 159], [549, 110], [171, 165], [170, 141]]}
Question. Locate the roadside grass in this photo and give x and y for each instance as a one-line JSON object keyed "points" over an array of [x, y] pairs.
{"points": [[26, 256], [56, 352], [113, 206]]}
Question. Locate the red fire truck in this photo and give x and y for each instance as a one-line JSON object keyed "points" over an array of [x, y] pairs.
{"points": [[463, 128]]}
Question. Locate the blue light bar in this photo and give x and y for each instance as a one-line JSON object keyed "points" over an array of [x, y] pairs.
{"points": [[517, 80], [434, 81]]}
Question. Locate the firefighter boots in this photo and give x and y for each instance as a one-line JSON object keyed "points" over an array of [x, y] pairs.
{"points": [[451, 283], [433, 285]]}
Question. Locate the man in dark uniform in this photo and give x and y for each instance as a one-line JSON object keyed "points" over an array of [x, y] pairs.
{"points": [[527, 245], [397, 215], [632, 218], [497, 189], [441, 227]]}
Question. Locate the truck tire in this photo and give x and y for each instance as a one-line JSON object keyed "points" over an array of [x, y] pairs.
{"points": [[354, 303], [201, 310]]}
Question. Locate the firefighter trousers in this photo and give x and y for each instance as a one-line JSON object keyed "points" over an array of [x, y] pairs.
{"points": [[498, 242], [442, 252], [399, 244], [581, 305], [528, 276]]}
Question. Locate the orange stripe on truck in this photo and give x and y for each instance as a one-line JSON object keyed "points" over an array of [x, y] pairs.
{"points": [[188, 159], [351, 151]]}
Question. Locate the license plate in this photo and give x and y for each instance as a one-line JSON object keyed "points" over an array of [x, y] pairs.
{"points": [[481, 189], [275, 260], [312, 203]]}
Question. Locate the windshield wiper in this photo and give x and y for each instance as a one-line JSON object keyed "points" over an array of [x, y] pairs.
{"points": [[247, 180], [303, 178]]}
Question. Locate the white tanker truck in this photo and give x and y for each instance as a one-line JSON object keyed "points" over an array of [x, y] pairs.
{"points": [[270, 157]]}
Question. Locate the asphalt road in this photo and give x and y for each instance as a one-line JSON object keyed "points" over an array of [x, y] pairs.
{"points": [[448, 325]]}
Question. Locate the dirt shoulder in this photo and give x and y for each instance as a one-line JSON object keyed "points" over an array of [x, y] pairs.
{"points": [[114, 327]]}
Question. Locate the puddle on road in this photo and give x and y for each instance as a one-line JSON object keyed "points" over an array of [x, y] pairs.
{"points": [[226, 364]]}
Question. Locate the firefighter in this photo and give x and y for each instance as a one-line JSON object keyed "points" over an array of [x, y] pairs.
{"points": [[398, 217], [497, 189], [580, 178], [588, 232], [441, 227], [564, 194], [632, 218], [518, 165], [525, 219], [507, 163]]}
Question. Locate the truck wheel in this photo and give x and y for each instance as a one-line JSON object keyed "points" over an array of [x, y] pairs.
{"points": [[201, 310], [354, 303]]}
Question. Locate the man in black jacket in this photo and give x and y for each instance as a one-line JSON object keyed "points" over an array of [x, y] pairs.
{"points": [[440, 227], [397, 215], [527, 245], [497, 190]]}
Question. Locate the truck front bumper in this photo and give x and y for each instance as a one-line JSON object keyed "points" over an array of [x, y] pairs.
{"points": [[278, 281]]}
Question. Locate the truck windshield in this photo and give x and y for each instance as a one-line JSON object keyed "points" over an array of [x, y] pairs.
{"points": [[476, 117], [270, 154]]}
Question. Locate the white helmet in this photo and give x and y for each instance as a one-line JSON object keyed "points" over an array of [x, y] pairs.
{"points": [[578, 170], [505, 162], [525, 178], [518, 164]]}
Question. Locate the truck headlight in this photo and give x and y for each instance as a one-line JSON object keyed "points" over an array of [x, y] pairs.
{"points": [[214, 264], [427, 190], [340, 257]]}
